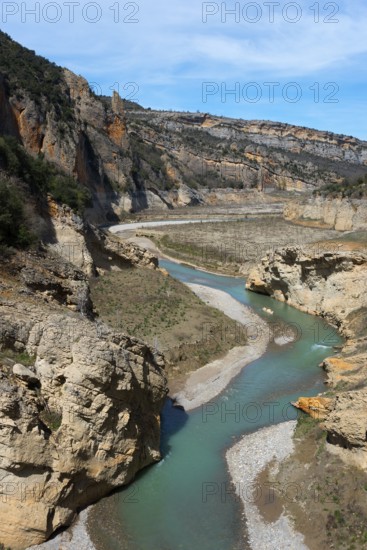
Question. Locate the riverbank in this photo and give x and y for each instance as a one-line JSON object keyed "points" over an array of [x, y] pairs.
{"points": [[240, 317], [209, 381], [246, 460], [76, 536]]}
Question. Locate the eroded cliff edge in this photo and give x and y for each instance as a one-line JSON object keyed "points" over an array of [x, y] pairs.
{"points": [[79, 403], [332, 285], [130, 158]]}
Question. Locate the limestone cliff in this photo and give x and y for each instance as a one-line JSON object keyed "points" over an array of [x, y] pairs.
{"points": [[82, 416], [332, 285], [131, 158], [87, 247], [340, 214]]}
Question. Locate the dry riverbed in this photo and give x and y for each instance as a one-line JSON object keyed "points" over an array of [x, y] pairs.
{"points": [[278, 455], [207, 382], [235, 246]]}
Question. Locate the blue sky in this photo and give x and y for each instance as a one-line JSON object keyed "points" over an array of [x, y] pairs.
{"points": [[301, 62]]}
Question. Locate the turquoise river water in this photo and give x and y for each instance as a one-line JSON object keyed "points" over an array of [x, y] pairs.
{"points": [[185, 501]]}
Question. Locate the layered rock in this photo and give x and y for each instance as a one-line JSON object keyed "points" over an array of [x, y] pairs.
{"points": [[66, 236], [132, 158], [332, 285], [87, 248], [340, 214], [347, 422], [81, 419]]}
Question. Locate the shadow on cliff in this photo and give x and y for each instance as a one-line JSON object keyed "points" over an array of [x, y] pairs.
{"points": [[173, 419]]}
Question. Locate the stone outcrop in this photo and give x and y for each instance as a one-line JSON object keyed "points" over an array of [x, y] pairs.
{"points": [[332, 285], [66, 236], [82, 418], [347, 422], [346, 370], [110, 252], [317, 407], [87, 248], [339, 214], [54, 281], [132, 158]]}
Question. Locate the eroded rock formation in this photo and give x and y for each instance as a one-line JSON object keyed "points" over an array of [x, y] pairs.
{"points": [[332, 285], [340, 214], [83, 417], [132, 158]]}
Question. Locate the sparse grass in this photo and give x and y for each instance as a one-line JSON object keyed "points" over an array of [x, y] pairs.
{"points": [[331, 505], [52, 418], [165, 313], [234, 247], [305, 424], [18, 357]]}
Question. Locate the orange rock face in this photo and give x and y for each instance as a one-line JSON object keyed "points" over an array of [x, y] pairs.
{"points": [[317, 407], [116, 130]]}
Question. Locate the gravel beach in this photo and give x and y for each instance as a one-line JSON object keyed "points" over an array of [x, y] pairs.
{"points": [[246, 460], [74, 538], [207, 382]]}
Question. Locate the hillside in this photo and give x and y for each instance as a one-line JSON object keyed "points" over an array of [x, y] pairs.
{"points": [[128, 158]]}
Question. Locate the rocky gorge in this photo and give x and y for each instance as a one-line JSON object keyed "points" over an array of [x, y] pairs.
{"points": [[80, 403], [331, 285], [130, 158]]}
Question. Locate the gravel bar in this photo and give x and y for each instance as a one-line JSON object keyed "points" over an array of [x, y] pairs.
{"points": [[246, 460]]}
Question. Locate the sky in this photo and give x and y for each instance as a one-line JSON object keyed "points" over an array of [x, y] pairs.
{"points": [[303, 63]]}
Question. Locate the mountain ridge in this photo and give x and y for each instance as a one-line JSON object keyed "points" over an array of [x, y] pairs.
{"points": [[131, 158]]}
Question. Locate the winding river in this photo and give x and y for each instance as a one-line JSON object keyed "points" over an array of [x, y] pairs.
{"points": [[184, 502]]}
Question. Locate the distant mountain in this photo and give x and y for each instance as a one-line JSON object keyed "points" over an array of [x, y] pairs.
{"points": [[126, 158]]}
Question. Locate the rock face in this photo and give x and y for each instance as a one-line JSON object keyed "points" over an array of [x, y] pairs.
{"points": [[66, 236], [87, 248], [132, 158], [339, 214], [81, 420], [317, 407], [333, 286], [347, 423]]}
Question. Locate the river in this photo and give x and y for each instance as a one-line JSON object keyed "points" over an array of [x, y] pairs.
{"points": [[185, 501]]}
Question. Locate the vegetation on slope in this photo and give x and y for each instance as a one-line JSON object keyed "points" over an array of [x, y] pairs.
{"points": [[41, 80], [167, 315], [22, 177], [40, 176], [13, 224], [356, 189]]}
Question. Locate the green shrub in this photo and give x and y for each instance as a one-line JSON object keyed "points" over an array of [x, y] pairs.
{"points": [[41, 176], [42, 80], [13, 229], [52, 419], [355, 189]]}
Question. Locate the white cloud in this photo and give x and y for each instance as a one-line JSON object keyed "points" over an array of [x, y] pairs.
{"points": [[172, 48]]}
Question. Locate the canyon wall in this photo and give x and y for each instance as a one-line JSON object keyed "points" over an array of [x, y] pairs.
{"points": [[340, 214], [332, 285], [79, 403], [131, 158]]}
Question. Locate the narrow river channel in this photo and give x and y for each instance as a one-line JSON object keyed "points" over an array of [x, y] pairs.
{"points": [[184, 502]]}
